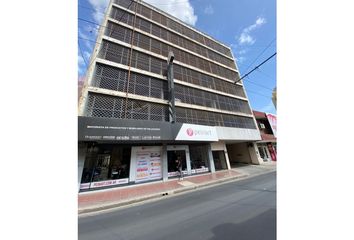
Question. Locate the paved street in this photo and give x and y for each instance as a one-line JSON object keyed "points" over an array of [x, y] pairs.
{"points": [[241, 210]]}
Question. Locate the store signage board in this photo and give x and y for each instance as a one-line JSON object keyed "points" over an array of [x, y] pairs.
{"points": [[272, 119], [192, 132], [122, 130]]}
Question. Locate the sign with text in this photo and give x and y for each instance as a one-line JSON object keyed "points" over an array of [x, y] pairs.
{"points": [[109, 183], [122, 130], [192, 132], [148, 164], [272, 119]]}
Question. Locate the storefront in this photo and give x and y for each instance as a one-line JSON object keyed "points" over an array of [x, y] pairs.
{"points": [[267, 151], [175, 152], [110, 161], [105, 165]]}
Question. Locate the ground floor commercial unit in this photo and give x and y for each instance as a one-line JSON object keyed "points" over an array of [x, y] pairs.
{"points": [[267, 151], [118, 152]]}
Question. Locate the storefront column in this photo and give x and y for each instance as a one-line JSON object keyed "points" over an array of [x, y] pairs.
{"points": [[211, 159], [227, 158], [81, 161], [164, 163], [188, 161], [253, 151]]}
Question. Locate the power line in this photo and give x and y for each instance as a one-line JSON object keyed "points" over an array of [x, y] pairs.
{"points": [[256, 67], [258, 94], [92, 9], [85, 20], [93, 41], [172, 3], [109, 34], [260, 54], [259, 85], [264, 74], [244, 88], [105, 14]]}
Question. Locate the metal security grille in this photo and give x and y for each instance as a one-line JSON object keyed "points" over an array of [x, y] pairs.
{"points": [[120, 54], [149, 44], [169, 36], [191, 76], [112, 78], [113, 107], [212, 100], [186, 115], [170, 23]]}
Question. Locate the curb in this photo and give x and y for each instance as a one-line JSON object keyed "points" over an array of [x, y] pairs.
{"points": [[98, 208]]}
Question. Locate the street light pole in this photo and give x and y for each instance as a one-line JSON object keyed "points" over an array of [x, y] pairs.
{"points": [[171, 88]]}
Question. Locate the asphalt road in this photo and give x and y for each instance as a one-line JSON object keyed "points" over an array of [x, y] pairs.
{"points": [[241, 210]]}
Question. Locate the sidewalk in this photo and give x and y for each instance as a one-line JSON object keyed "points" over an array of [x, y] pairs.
{"points": [[115, 197]]}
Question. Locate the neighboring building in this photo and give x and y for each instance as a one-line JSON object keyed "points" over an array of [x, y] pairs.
{"points": [[267, 147], [126, 132]]}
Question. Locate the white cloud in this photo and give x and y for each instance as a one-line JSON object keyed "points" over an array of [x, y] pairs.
{"points": [[86, 38], [245, 37], [243, 51], [181, 10], [260, 21], [100, 7], [209, 10], [87, 56], [80, 60], [80, 64], [240, 59], [82, 34]]}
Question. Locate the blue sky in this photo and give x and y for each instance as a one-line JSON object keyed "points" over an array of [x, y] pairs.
{"points": [[247, 26]]}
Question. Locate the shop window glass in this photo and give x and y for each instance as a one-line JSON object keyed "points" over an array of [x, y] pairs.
{"points": [[106, 162], [199, 158]]}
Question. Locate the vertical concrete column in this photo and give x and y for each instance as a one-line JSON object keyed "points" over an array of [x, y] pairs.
{"points": [[81, 161], [227, 158], [211, 159], [268, 152], [164, 163], [253, 151], [188, 161]]}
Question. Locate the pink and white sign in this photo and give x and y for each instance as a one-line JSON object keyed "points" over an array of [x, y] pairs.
{"points": [[272, 119], [193, 132]]}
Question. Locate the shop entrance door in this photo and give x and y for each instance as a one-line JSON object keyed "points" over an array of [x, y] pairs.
{"points": [[172, 156], [263, 152], [219, 160]]}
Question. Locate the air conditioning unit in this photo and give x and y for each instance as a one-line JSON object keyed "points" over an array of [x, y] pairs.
{"points": [[262, 125]]}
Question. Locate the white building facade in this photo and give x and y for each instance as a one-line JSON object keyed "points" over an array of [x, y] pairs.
{"points": [[126, 132]]}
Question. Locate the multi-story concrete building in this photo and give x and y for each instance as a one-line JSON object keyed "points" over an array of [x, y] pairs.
{"points": [[134, 122]]}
